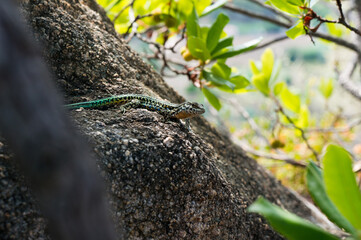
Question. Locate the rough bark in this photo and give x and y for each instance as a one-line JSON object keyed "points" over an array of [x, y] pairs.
{"points": [[163, 182]]}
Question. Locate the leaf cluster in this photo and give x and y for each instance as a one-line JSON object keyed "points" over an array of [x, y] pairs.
{"points": [[333, 189]]}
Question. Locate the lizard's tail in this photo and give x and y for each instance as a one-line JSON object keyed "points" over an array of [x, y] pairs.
{"points": [[93, 104], [89, 104]]}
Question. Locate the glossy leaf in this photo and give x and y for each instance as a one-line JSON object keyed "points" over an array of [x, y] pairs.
{"points": [[303, 117], [288, 224], [239, 81], [254, 67], [204, 34], [213, 7], [193, 28], [212, 99], [290, 100], [277, 89], [296, 3], [326, 88], [260, 81], [231, 51], [296, 30], [198, 49], [216, 80], [216, 30], [221, 69], [200, 5], [285, 6], [226, 42], [316, 187], [340, 183], [262, 78], [267, 60], [335, 29], [183, 7]]}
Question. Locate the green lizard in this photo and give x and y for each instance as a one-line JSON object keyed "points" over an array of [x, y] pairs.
{"points": [[184, 110]]}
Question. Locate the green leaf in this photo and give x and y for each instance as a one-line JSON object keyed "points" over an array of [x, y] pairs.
{"points": [[221, 69], [213, 7], [267, 60], [285, 6], [222, 44], [290, 100], [230, 51], [212, 99], [341, 184], [260, 81], [296, 3], [239, 81], [216, 30], [317, 190], [254, 67], [198, 49], [216, 80], [193, 28], [326, 88], [204, 34], [110, 6], [183, 7], [278, 88], [335, 29], [303, 117], [288, 224], [296, 30], [200, 5]]}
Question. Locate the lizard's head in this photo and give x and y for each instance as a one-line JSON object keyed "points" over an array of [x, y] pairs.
{"points": [[189, 109]]}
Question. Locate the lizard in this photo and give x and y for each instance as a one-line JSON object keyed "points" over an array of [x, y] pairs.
{"points": [[183, 110]]}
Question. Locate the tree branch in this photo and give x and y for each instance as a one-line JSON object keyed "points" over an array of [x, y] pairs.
{"points": [[274, 10], [276, 157], [336, 130], [345, 80], [277, 39], [336, 40], [303, 135], [245, 115], [256, 15]]}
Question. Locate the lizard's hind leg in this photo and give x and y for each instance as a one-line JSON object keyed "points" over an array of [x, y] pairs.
{"points": [[132, 104]]}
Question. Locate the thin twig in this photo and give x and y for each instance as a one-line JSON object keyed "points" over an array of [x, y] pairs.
{"points": [[341, 19], [237, 107], [277, 157], [330, 38], [178, 41], [277, 39], [336, 130], [338, 41], [339, 5], [303, 135], [136, 19], [345, 80], [256, 15], [123, 9]]}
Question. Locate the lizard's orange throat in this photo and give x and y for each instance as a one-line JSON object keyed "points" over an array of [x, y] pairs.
{"points": [[183, 115]]}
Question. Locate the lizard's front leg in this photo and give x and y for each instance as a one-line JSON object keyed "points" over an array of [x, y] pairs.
{"points": [[173, 114]]}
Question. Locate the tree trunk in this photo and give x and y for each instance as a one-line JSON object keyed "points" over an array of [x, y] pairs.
{"points": [[162, 182]]}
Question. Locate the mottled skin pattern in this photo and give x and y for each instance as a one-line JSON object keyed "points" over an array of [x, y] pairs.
{"points": [[184, 110]]}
